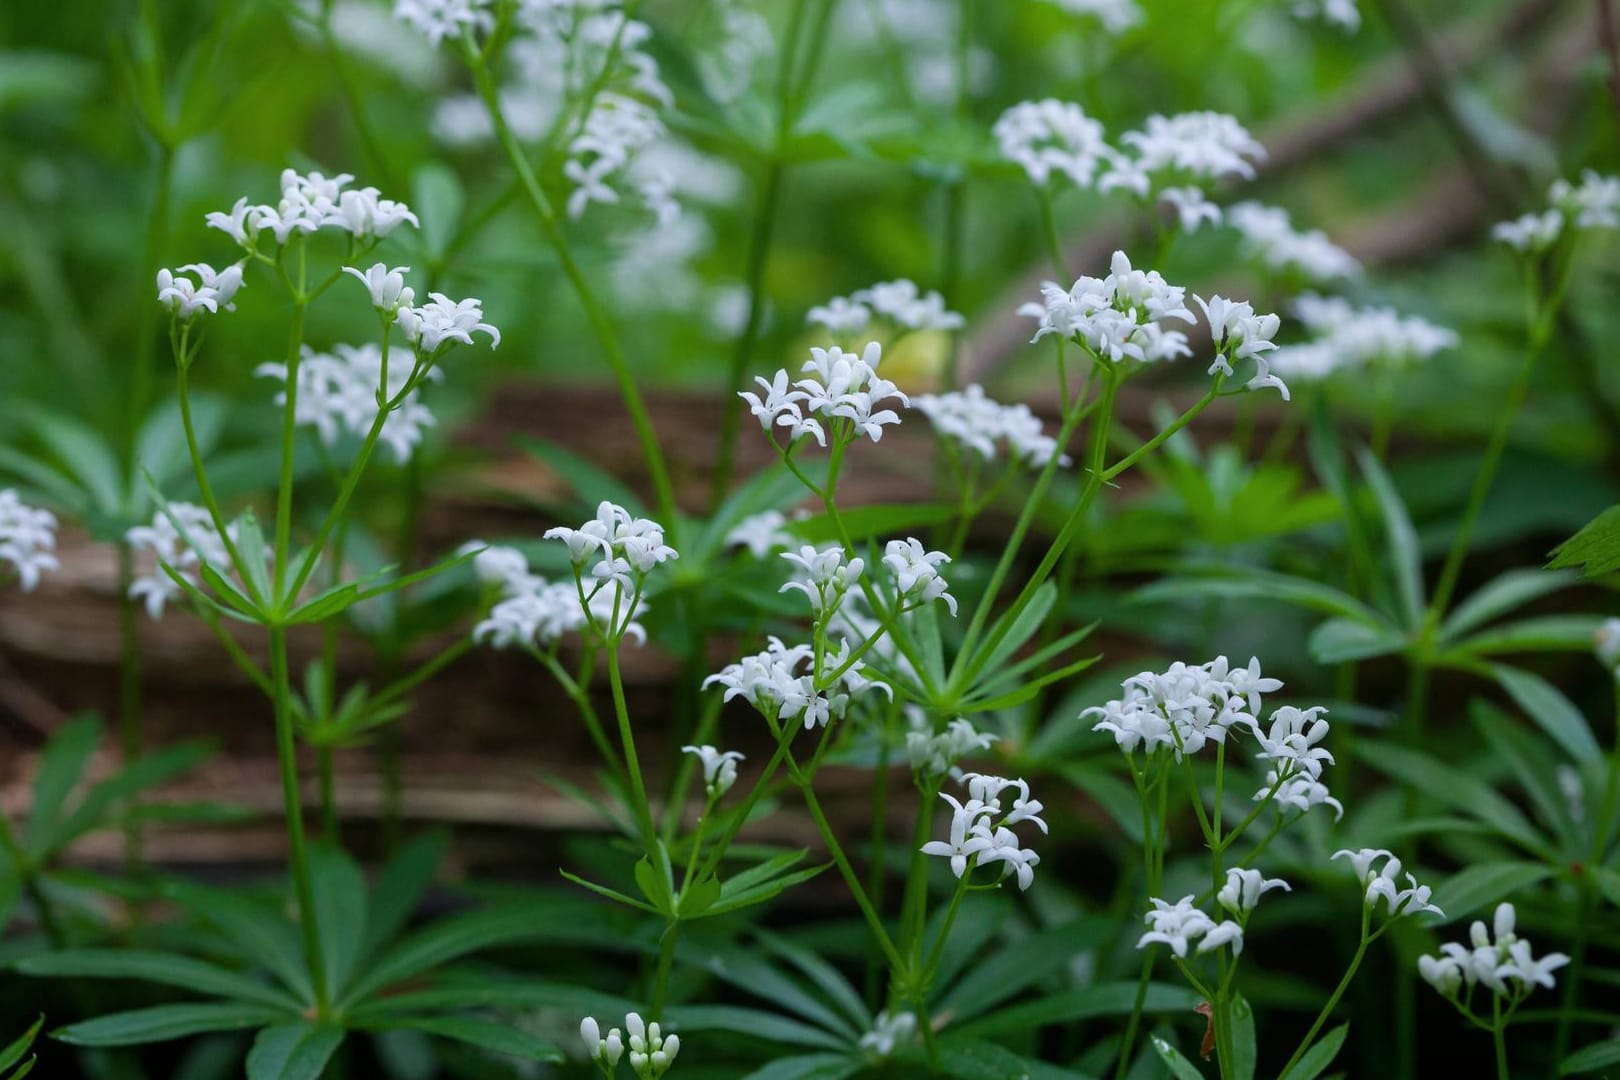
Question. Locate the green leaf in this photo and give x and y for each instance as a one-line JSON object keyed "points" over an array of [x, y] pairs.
{"points": [[61, 767], [255, 568], [1533, 762], [1197, 580], [809, 1067], [399, 888], [877, 522], [449, 939], [258, 930], [590, 483], [484, 1034], [1022, 629], [1083, 1003], [1457, 788], [102, 799], [1550, 709], [1595, 550], [1178, 1065], [763, 882], [1244, 1049], [1013, 968], [753, 1022], [1478, 887], [746, 970], [160, 448], [1548, 633], [85, 455], [1499, 596], [163, 1023], [55, 488], [1406, 559], [827, 978], [166, 969], [976, 1059], [1591, 1058], [483, 989], [611, 894], [698, 898], [658, 888], [438, 199], [1315, 1061], [1339, 640], [292, 1052], [14, 1052], [339, 890]]}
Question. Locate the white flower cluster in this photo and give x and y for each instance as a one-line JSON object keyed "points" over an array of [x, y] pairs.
{"points": [[1506, 965], [1238, 333], [843, 393], [898, 302], [620, 550], [917, 580], [651, 1051], [824, 575], [1269, 236], [719, 768], [977, 422], [1384, 884], [181, 537], [1244, 888], [888, 1033], [1183, 153], [1185, 707], [440, 19], [761, 533], [934, 753], [1348, 338], [442, 321], [981, 831], [1341, 13], [1115, 16], [1119, 317], [211, 291], [310, 202], [617, 129], [1594, 203], [734, 54], [27, 539], [337, 393], [1178, 925], [926, 33], [773, 683]]}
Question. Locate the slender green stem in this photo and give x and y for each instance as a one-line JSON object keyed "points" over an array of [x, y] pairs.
{"points": [[205, 490], [292, 804], [289, 435], [601, 325], [1049, 229], [666, 961], [638, 787], [328, 788], [1499, 1038], [1333, 999], [1126, 1045]]}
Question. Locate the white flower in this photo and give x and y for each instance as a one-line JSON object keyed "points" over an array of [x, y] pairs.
{"points": [[1244, 888], [497, 565], [1184, 707], [840, 315], [978, 423], [1594, 203], [887, 1033], [1291, 740], [1206, 146], [1116, 16], [1506, 965], [1178, 925], [982, 833], [620, 551], [387, 286], [1531, 232], [771, 682], [27, 539], [1270, 237], [824, 576], [651, 1051], [904, 305], [1342, 13], [617, 129], [337, 393], [442, 320], [916, 573], [846, 390], [1043, 137], [440, 19], [1348, 337], [1382, 884], [761, 533], [1302, 792], [933, 754], [719, 769], [210, 292], [233, 223], [1118, 317], [181, 537], [1193, 208]]}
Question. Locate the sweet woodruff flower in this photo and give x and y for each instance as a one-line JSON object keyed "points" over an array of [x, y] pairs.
{"points": [[181, 537], [337, 393], [651, 1051], [1239, 334], [978, 423], [843, 394], [497, 565], [1193, 208], [1115, 16], [386, 286], [719, 768], [617, 129], [981, 829], [824, 575], [774, 684], [1119, 317], [442, 320], [1341, 13], [1382, 883], [1180, 924], [1531, 233], [1244, 888], [440, 19], [1290, 741], [888, 1033], [1205, 146], [1270, 237], [899, 303], [916, 574], [936, 753], [761, 534], [1506, 965], [210, 292], [1046, 137], [1349, 337], [310, 202], [27, 539], [1594, 203], [1184, 707]]}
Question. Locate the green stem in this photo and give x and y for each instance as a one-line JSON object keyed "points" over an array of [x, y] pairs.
{"points": [[328, 789], [606, 336], [289, 435], [130, 737], [1499, 1039], [638, 788], [292, 803], [1333, 999], [1129, 1042], [205, 490], [666, 961]]}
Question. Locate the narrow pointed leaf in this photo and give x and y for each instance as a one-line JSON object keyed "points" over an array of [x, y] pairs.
{"points": [[1501, 595], [1315, 1061], [340, 910], [484, 1034], [166, 969], [1405, 557], [398, 890], [61, 767], [165, 1023], [1551, 710], [260, 932], [14, 1052], [293, 1052]]}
